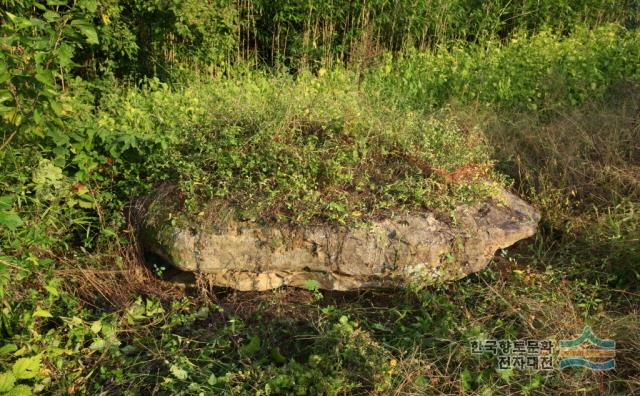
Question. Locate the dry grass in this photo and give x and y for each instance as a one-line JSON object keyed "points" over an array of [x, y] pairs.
{"points": [[589, 155], [101, 286]]}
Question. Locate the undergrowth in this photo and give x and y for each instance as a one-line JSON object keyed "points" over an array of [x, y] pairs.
{"points": [[81, 314], [313, 148]]}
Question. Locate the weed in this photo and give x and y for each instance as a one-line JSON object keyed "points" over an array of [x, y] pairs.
{"points": [[389, 106]]}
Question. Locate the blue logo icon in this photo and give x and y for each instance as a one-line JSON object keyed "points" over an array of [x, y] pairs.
{"points": [[588, 351]]}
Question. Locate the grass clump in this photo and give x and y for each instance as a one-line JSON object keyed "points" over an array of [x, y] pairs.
{"points": [[581, 167]]}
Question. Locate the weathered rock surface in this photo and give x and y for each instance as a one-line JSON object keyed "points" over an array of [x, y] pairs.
{"points": [[395, 251]]}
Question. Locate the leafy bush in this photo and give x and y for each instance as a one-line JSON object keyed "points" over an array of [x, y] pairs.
{"points": [[543, 71], [313, 148], [36, 62]]}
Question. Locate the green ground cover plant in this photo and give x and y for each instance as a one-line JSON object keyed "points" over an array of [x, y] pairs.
{"points": [[313, 148], [376, 106]]}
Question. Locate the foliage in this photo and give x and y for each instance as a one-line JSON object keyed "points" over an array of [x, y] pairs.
{"points": [[310, 149], [167, 39], [38, 45], [580, 167], [539, 72], [428, 90], [288, 342], [177, 38], [313, 34], [160, 38]]}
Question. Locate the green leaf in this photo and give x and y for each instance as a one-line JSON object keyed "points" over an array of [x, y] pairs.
{"points": [[421, 381], [506, 374], [97, 345], [7, 380], [64, 55], [86, 29], [96, 327], [56, 107], [20, 390], [4, 74], [202, 313], [7, 349], [277, 356], [52, 290], [26, 368], [10, 220], [18, 21], [6, 202], [5, 95], [42, 313], [467, 380], [86, 202], [10, 15], [136, 311], [311, 285], [45, 77], [89, 5], [178, 372], [252, 347], [51, 16], [534, 382]]}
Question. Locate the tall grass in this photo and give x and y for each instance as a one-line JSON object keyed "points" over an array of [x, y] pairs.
{"points": [[325, 31], [581, 167], [173, 39], [532, 72]]}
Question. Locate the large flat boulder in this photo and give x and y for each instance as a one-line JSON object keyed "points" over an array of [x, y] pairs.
{"points": [[413, 248]]}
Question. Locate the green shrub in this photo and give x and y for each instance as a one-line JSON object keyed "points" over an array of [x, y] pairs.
{"points": [[297, 150], [543, 71]]}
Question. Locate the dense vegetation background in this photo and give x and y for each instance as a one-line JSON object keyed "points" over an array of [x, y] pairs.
{"points": [[100, 101]]}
